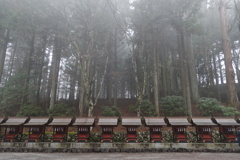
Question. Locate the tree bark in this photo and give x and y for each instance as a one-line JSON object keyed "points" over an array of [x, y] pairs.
{"points": [[174, 73], [4, 51], [140, 87], [40, 75], [192, 71], [90, 101], [81, 91], [155, 80], [72, 88], [73, 77], [12, 57], [164, 70], [115, 87], [27, 68], [216, 75], [220, 69], [231, 88], [55, 69], [109, 76], [184, 73]]}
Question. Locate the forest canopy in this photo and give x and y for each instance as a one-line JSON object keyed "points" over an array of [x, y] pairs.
{"points": [[60, 57]]}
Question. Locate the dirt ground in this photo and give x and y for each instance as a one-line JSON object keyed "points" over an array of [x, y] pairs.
{"points": [[119, 156]]}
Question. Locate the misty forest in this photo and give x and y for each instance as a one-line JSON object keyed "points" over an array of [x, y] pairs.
{"points": [[116, 57]]}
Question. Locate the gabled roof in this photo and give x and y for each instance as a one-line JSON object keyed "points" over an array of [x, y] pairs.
{"points": [[14, 121], [178, 121], [107, 121], [37, 122], [84, 121], [227, 121], [202, 121], [155, 121], [61, 122], [2, 119], [131, 121]]}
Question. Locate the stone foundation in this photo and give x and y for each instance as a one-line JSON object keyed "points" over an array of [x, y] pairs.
{"points": [[118, 147]]}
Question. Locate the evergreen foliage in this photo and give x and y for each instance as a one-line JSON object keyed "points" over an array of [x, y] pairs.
{"points": [[62, 110], [211, 106], [173, 106], [111, 111], [11, 95], [31, 111], [147, 49], [146, 108], [119, 137]]}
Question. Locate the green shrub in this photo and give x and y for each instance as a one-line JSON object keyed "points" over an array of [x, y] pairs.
{"points": [[22, 138], [143, 137], [31, 111], [95, 137], [47, 137], [146, 108], [230, 111], [173, 106], [211, 106], [111, 111], [167, 136], [119, 137], [192, 136], [62, 110], [72, 137], [1, 137], [216, 136]]}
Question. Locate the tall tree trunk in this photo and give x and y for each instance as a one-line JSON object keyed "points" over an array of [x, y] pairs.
{"points": [[216, 75], [81, 91], [55, 69], [174, 73], [48, 79], [238, 76], [109, 78], [109, 86], [184, 73], [164, 70], [72, 89], [231, 88], [3, 53], [192, 71], [133, 91], [115, 88], [236, 59], [88, 84], [28, 66], [12, 57], [220, 69], [122, 88], [149, 84], [90, 107], [40, 75], [210, 70], [155, 80], [140, 86], [73, 83]]}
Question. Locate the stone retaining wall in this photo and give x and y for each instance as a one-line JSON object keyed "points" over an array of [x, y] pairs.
{"points": [[117, 147]]}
